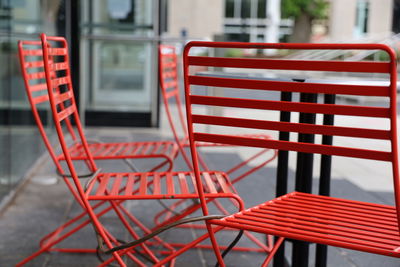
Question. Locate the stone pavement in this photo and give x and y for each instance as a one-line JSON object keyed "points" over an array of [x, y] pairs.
{"points": [[42, 205]]}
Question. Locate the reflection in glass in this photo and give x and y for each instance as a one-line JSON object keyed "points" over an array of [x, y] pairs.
{"points": [[229, 8], [20, 144], [246, 8], [121, 67], [262, 9], [121, 75], [120, 16]]}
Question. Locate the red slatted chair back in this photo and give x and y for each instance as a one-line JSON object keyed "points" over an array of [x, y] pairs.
{"points": [[62, 100], [356, 121], [169, 84], [32, 68]]}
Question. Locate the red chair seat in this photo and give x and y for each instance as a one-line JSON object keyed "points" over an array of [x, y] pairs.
{"points": [[325, 220], [166, 185], [207, 144], [150, 149]]}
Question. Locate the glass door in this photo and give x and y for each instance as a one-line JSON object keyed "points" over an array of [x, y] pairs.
{"points": [[121, 75], [119, 62], [20, 142]]}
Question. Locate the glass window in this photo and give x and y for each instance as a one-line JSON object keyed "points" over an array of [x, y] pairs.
{"points": [[119, 16], [118, 70], [262, 9], [20, 143], [362, 13], [120, 76], [230, 8], [246, 9]]}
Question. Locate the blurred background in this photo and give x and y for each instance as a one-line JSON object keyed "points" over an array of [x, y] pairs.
{"points": [[113, 48]]}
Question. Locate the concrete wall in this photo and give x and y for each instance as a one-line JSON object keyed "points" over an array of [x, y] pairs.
{"points": [[342, 18], [381, 13], [200, 18]]}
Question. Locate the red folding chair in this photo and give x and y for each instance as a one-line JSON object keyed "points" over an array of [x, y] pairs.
{"points": [[113, 187], [32, 67], [357, 225], [168, 70], [31, 61], [169, 84]]}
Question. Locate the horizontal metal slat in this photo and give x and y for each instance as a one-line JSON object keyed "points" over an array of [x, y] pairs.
{"points": [[292, 127], [156, 184], [57, 51], [66, 112], [330, 215], [291, 106], [281, 223], [59, 66], [168, 74], [209, 185], [170, 184], [294, 146], [32, 52], [283, 86], [103, 180], [60, 98], [38, 87], [34, 64], [345, 211], [116, 184], [117, 148], [183, 183], [108, 148], [326, 229], [223, 183], [171, 84], [313, 237], [40, 99], [306, 65], [171, 93], [36, 75], [130, 184], [60, 81], [143, 184], [168, 65], [349, 229], [348, 203]]}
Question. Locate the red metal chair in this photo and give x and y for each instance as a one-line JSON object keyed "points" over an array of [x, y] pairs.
{"points": [[357, 225], [168, 70], [169, 84], [113, 187], [32, 67], [31, 61]]}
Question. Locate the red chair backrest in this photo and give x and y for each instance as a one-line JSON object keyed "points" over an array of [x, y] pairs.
{"points": [[247, 93], [169, 84], [62, 100], [32, 69]]}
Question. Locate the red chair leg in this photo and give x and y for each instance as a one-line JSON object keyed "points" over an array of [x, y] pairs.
{"points": [[187, 247], [254, 169], [273, 251], [264, 248]]}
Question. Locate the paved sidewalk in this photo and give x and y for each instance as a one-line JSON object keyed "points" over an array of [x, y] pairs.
{"points": [[43, 205]]}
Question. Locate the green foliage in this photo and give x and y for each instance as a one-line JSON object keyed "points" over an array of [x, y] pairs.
{"points": [[379, 56], [233, 52], [293, 8]]}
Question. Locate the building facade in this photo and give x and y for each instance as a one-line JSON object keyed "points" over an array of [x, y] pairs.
{"points": [[113, 52], [197, 19], [237, 20], [252, 20], [113, 48], [355, 19]]}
